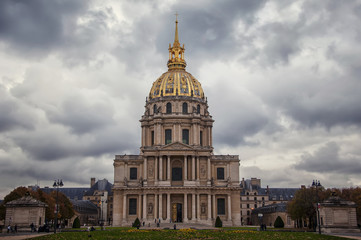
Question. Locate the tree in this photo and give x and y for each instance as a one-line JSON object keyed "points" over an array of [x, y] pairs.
{"points": [[279, 222], [218, 222], [65, 206], [76, 223], [136, 223], [303, 205]]}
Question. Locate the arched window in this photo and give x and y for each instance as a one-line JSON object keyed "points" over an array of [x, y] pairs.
{"points": [[154, 108], [198, 109], [169, 108], [185, 108]]}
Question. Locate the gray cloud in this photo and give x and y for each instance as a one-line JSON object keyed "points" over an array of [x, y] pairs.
{"points": [[281, 79], [327, 159]]}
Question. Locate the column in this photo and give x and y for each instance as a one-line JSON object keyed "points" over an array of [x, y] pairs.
{"points": [[156, 169], [145, 168], [198, 159], [144, 206], [160, 168], [155, 205], [185, 208], [198, 208], [168, 168], [160, 215], [139, 210], [214, 206], [185, 168], [193, 207], [193, 168], [124, 207], [209, 210], [168, 207], [229, 208], [209, 168]]}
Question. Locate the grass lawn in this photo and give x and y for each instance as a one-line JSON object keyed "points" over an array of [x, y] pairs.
{"points": [[223, 234]]}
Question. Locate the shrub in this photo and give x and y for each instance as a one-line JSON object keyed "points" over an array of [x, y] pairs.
{"points": [[218, 222], [136, 223], [279, 223], [76, 223]]}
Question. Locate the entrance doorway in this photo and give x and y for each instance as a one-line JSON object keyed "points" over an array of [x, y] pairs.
{"points": [[177, 214]]}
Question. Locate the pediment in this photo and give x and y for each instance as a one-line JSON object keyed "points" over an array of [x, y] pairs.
{"points": [[177, 146]]}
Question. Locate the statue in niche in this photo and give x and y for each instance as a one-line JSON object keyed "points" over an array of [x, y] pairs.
{"points": [[212, 181], [150, 208], [203, 170], [203, 208], [140, 182], [150, 170], [229, 183], [125, 181]]}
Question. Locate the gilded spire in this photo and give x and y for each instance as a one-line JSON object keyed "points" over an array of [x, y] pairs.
{"points": [[176, 52], [176, 39]]}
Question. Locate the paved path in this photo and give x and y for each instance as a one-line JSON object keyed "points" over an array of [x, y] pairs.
{"points": [[20, 236]]}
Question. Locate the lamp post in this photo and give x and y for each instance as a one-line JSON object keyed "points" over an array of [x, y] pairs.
{"points": [[57, 183], [260, 215]]}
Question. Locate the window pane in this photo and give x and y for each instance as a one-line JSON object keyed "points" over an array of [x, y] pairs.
{"points": [[221, 207], [220, 173], [132, 206], [168, 136], [185, 108], [176, 174], [133, 173], [185, 136], [169, 108]]}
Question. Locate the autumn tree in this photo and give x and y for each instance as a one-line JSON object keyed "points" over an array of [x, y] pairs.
{"points": [[302, 208]]}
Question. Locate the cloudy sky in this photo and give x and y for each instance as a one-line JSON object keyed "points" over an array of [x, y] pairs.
{"points": [[282, 80]]}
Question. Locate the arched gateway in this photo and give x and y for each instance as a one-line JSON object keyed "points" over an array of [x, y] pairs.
{"points": [[176, 177]]}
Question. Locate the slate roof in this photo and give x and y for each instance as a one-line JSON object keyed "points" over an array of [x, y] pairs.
{"points": [[277, 207], [84, 206], [100, 185], [26, 201], [71, 193], [281, 194]]}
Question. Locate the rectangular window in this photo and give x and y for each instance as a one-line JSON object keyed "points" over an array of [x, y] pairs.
{"points": [[133, 173], [221, 206], [185, 136], [152, 138], [220, 173], [176, 174], [201, 138], [168, 136], [132, 206]]}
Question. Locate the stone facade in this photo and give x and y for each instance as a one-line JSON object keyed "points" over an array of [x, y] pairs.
{"points": [[176, 177], [25, 211], [337, 216]]}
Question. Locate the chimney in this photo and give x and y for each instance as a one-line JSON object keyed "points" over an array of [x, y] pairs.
{"points": [[92, 181]]}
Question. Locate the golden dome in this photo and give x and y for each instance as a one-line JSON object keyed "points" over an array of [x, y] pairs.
{"points": [[176, 82]]}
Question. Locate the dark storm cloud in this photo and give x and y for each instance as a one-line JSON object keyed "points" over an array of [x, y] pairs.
{"points": [[327, 159], [38, 25]]}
